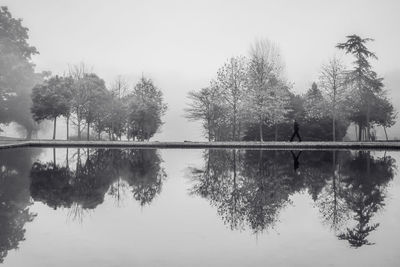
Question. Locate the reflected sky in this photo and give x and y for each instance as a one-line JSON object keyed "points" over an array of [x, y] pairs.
{"points": [[118, 207]]}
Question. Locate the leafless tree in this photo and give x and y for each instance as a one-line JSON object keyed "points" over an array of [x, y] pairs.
{"points": [[265, 72], [332, 81], [232, 82], [78, 72]]}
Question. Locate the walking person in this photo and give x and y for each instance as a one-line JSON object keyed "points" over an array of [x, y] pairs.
{"points": [[296, 128]]}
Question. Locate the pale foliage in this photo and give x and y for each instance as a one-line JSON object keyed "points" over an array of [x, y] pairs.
{"points": [[232, 83], [267, 94]]}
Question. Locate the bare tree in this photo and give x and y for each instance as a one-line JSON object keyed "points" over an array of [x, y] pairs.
{"points": [[232, 82], [332, 81], [119, 90], [78, 72], [265, 69], [120, 87], [279, 106], [205, 106]]}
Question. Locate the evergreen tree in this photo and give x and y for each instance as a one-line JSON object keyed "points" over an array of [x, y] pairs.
{"points": [[366, 82]]}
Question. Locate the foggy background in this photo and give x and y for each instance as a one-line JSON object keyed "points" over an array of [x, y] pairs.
{"points": [[181, 44]]}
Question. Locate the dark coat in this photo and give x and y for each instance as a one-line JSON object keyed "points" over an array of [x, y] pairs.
{"points": [[296, 126]]}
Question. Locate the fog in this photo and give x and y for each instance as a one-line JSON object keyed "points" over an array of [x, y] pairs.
{"points": [[181, 44]]}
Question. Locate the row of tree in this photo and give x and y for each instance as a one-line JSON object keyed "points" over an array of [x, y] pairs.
{"points": [[250, 99], [81, 97], [84, 98]]}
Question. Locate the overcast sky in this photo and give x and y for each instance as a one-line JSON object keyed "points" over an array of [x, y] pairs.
{"points": [[181, 44]]}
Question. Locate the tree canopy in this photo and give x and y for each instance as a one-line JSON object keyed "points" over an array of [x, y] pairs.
{"points": [[17, 75]]}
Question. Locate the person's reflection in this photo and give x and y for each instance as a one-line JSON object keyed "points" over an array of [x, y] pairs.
{"points": [[296, 163]]}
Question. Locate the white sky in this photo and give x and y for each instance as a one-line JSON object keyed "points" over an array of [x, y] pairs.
{"points": [[181, 44]]}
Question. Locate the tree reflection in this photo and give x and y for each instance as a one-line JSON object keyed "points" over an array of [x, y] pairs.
{"points": [[14, 197], [250, 188], [221, 183], [96, 173], [269, 183], [364, 193], [330, 200], [247, 188]]}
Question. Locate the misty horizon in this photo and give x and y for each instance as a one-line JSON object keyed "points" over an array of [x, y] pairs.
{"points": [[184, 53]]}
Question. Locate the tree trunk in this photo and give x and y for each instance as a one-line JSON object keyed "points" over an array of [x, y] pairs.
{"points": [[359, 132], [209, 129], [384, 128], [239, 131], [334, 113], [368, 137], [88, 130], [67, 127], [79, 123], [234, 123], [261, 132], [355, 131], [98, 135], [29, 134], [55, 127], [276, 132], [333, 128]]}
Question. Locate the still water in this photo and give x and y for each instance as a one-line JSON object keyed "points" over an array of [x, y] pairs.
{"points": [[116, 207]]}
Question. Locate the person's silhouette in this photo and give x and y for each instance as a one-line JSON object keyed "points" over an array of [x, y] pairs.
{"points": [[296, 128], [296, 163]]}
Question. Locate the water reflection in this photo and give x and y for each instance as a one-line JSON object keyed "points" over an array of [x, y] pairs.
{"points": [[96, 173], [80, 186], [14, 198], [296, 162], [250, 188]]}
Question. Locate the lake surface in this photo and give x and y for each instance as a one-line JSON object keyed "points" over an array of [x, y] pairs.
{"points": [[116, 207]]}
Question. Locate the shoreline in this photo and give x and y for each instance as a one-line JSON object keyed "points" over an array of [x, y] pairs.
{"points": [[312, 145]]}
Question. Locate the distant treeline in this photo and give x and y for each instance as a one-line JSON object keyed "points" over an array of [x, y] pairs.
{"points": [[84, 97], [251, 100], [27, 97]]}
